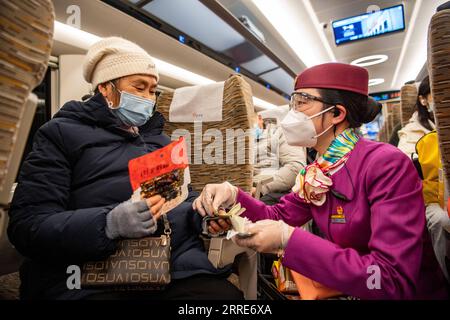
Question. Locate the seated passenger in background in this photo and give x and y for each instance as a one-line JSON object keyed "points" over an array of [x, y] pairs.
{"points": [[393, 139], [421, 122], [438, 221], [274, 157], [71, 203]]}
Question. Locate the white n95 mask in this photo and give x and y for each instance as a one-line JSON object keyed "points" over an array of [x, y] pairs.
{"points": [[299, 129]]}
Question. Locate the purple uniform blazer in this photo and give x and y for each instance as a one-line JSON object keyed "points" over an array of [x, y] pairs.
{"points": [[383, 229]]}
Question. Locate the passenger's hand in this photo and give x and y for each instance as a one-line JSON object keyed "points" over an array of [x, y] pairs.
{"points": [[134, 220], [214, 196], [269, 236], [155, 205], [219, 226]]}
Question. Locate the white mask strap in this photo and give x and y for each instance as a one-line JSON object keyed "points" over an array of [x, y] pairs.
{"points": [[114, 86], [320, 134], [322, 112], [110, 103], [318, 114]]}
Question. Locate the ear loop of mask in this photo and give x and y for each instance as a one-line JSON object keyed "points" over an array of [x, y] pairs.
{"points": [[334, 128], [320, 113], [110, 103]]}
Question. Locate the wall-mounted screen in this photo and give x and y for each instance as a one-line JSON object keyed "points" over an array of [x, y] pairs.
{"points": [[387, 95], [369, 25]]}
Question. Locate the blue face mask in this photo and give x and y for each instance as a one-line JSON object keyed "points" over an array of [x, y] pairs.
{"points": [[133, 110]]}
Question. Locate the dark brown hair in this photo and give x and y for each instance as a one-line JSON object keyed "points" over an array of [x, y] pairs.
{"points": [[360, 108], [422, 111]]}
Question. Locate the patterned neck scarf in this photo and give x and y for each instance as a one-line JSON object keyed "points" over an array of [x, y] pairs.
{"points": [[313, 182], [339, 150]]}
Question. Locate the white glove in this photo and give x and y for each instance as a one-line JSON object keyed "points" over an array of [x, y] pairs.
{"points": [[269, 236], [214, 196]]}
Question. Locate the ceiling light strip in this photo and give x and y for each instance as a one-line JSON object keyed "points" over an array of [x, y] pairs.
{"points": [[295, 27], [375, 82], [405, 45], [319, 29], [83, 40]]}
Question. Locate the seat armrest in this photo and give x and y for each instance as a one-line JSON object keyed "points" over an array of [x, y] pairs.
{"points": [[259, 181]]}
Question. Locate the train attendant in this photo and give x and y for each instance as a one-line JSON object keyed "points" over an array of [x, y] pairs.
{"points": [[365, 196]]}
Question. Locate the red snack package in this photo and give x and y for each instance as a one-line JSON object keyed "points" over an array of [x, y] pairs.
{"points": [[163, 172]]}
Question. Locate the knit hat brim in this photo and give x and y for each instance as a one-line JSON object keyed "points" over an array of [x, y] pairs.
{"points": [[114, 57], [121, 65]]}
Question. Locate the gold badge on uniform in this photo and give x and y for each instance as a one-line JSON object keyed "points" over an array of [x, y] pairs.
{"points": [[339, 216]]}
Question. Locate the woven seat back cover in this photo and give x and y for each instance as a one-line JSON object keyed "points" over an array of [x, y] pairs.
{"points": [[439, 69], [408, 98], [220, 150], [396, 115], [26, 39]]}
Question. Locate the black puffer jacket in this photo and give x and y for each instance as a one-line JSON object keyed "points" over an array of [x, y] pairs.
{"points": [[76, 173]]}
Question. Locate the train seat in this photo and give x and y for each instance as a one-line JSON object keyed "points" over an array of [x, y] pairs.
{"points": [[231, 131], [26, 40], [438, 66], [408, 97]]}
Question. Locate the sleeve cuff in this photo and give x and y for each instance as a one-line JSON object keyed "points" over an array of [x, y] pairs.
{"points": [[242, 196], [297, 238]]}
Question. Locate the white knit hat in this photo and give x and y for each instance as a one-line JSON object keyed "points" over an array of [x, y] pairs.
{"points": [[114, 57]]}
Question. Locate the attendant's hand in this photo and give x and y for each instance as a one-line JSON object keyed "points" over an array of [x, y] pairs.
{"points": [[269, 236], [214, 196]]}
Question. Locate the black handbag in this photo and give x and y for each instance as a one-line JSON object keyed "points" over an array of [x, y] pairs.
{"points": [[137, 264]]}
